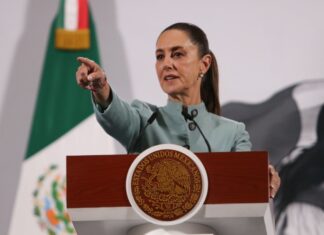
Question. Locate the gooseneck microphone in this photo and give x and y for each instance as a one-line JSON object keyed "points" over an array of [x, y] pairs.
{"points": [[149, 122], [187, 116]]}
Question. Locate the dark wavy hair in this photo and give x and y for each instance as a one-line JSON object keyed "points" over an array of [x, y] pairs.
{"points": [[209, 86]]}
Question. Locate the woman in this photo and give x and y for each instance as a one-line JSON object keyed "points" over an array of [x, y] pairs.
{"points": [[188, 74]]}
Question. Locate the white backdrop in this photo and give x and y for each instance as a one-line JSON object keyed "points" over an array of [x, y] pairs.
{"points": [[261, 47]]}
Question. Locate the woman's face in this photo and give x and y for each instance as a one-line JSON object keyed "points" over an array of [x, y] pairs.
{"points": [[178, 65]]}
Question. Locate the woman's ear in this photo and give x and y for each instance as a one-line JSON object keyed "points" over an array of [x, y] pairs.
{"points": [[205, 63]]}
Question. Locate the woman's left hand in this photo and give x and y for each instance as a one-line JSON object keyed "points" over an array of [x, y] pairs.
{"points": [[274, 181]]}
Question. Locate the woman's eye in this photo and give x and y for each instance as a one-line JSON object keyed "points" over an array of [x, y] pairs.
{"points": [[159, 57], [177, 54]]}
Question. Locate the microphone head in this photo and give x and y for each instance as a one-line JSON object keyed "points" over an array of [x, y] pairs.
{"points": [[153, 117], [185, 113]]}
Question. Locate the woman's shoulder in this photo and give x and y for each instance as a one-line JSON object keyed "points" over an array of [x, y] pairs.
{"points": [[142, 105], [223, 120], [235, 131], [226, 123], [144, 109]]}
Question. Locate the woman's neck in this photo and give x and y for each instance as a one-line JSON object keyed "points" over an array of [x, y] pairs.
{"points": [[186, 100]]}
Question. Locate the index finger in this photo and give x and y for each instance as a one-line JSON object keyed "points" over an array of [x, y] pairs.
{"points": [[89, 63]]}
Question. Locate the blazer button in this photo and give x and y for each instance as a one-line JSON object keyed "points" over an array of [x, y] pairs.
{"points": [[194, 113], [192, 126]]}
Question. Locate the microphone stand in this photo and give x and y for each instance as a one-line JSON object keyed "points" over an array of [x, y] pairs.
{"points": [[149, 122], [187, 116]]}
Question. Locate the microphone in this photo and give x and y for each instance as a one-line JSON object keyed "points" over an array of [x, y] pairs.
{"points": [[149, 122], [187, 116], [151, 119]]}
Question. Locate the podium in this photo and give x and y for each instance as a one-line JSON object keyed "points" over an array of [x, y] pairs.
{"points": [[237, 201]]}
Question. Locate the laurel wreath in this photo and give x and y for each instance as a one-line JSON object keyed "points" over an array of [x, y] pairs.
{"points": [[61, 214]]}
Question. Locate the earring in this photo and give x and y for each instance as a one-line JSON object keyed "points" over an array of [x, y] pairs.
{"points": [[201, 75]]}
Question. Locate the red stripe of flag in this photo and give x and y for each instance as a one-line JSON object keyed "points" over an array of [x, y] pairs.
{"points": [[83, 14]]}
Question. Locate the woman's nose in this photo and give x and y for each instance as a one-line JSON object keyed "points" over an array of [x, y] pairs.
{"points": [[167, 63]]}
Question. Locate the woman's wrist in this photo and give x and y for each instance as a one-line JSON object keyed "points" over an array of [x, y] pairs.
{"points": [[102, 96]]}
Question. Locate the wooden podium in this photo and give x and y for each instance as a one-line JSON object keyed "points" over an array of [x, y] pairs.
{"points": [[237, 202]]}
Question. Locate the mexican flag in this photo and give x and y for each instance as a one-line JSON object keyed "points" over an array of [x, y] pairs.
{"points": [[63, 124]]}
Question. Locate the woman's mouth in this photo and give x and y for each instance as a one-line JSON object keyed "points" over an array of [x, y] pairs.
{"points": [[170, 77]]}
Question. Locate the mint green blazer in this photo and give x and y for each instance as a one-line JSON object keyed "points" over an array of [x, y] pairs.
{"points": [[124, 122]]}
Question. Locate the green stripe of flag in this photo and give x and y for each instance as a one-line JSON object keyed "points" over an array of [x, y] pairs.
{"points": [[60, 104], [60, 15]]}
